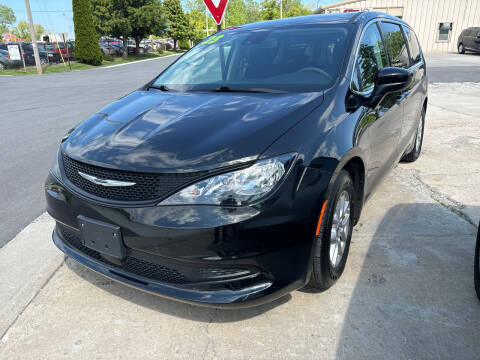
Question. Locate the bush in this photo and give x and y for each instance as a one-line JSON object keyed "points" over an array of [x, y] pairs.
{"points": [[107, 57], [86, 49], [184, 44], [160, 51]]}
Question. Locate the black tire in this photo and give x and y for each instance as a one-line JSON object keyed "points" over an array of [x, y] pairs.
{"points": [[324, 273], [476, 270], [461, 49], [414, 154]]}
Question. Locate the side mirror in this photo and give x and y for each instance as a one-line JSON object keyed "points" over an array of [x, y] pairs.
{"points": [[389, 79]]}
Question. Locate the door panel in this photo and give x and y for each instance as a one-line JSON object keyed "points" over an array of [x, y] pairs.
{"points": [[383, 124], [477, 41], [414, 96]]}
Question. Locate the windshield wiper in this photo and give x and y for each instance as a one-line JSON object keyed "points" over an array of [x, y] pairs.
{"points": [[255, 90], [159, 87]]}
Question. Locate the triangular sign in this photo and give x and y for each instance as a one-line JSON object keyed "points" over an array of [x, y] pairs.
{"points": [[216, 8]]}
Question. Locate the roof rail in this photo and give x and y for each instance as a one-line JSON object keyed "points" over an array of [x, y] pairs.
{"points": [[354, 17]]}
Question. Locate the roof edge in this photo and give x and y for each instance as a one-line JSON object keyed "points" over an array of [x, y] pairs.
{"points": [[338, 3]]}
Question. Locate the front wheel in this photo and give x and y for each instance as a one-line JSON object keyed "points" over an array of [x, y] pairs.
{"points": [[332, 241], [461, 49]]}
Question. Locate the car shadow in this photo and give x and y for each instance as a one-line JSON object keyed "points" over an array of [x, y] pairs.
{"points": [[171, 307], [414, 296]]}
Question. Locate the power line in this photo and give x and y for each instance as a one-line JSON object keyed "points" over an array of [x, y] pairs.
{"points": [[46, 11]]}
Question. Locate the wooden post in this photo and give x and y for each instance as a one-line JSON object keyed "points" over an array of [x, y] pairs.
{"points": [[34, 39]]}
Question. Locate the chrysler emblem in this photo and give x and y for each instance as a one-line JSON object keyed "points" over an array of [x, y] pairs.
{"points": [[105, 182]]}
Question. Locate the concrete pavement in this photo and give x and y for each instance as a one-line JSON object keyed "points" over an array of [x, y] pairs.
{"points": [[407, 291]]}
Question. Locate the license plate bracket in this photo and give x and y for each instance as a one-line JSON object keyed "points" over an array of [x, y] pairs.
{"points": [[102, 237]]}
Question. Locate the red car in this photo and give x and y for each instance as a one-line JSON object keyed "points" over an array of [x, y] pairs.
{"points": [[60, 47]]}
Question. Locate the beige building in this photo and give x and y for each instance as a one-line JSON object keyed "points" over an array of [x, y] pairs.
{"points": [[438, 23]]}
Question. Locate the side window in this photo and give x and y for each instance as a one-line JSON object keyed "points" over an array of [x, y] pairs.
{"points": [[396, 46], [371, 57], [412, 45]]}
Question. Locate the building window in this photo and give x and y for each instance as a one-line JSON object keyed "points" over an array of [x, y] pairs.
{"points": [[444, 31]]}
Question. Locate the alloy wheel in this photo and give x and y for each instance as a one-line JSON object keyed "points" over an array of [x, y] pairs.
{"points": [[340, 228]]}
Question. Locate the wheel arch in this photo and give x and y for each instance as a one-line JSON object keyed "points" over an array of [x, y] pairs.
{"points": [[354, 163]]}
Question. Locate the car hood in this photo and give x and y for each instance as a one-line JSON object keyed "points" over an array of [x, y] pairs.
{"points": [[154, 131]]}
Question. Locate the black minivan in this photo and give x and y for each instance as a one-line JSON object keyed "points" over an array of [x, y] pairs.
{"points": [[237, 174], [469, 40]]}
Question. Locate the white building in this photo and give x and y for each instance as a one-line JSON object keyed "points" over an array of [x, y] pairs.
{"points": [[438, 23]]}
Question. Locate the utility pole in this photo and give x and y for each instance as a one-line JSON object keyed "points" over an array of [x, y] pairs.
{"points": [[34, 39], [206, 19], [281, 8]]}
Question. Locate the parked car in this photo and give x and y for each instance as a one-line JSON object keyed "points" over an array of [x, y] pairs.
{"points": [[132, 48], [6, 62], [477, 264], [61, 47], [231, 180], [46, 57], [4, 46], [106, 48], [469, 40]]}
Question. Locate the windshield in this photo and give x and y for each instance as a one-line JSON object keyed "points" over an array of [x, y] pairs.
{"points": [[303, 58]]}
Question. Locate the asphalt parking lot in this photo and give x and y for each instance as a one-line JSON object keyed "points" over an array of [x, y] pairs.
{"points": [[407, 291]]}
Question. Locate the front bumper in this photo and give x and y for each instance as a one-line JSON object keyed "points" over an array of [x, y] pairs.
{"points": [[203, 255]]}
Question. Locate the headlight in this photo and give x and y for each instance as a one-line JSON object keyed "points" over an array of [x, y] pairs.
{"points": [[56, 166], [237, 187]]}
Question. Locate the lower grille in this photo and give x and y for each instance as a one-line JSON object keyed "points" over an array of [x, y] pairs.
{"points": [[129, 264], [147, 186], [162, 273]]}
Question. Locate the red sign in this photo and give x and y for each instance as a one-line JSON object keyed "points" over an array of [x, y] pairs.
{"points": [[218, 10], [350, 10]]}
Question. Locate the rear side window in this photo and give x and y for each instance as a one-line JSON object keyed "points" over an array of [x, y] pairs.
{"points": [[415, 57], [371, 57], [396, 46]]}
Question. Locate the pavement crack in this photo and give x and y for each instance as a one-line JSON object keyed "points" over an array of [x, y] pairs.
{"points": [[210, 341], [444, 200], [4, 335]]}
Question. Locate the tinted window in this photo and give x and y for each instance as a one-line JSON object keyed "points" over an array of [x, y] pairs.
{"points": [[412, 45], [303, 58], [396, 46], [371, 57]]}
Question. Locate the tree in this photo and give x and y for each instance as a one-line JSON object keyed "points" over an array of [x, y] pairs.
{"points": [[270, 9], [128, 18], [22, 31], [197, 22], [179, 24], [7, 18], [39, 31], [147, 18], [87, 49]]}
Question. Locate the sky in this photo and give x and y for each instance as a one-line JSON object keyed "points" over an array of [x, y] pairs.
{"points": [[56, 15]]}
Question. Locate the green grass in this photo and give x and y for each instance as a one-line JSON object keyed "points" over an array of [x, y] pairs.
{"points": [[58, 68]]}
